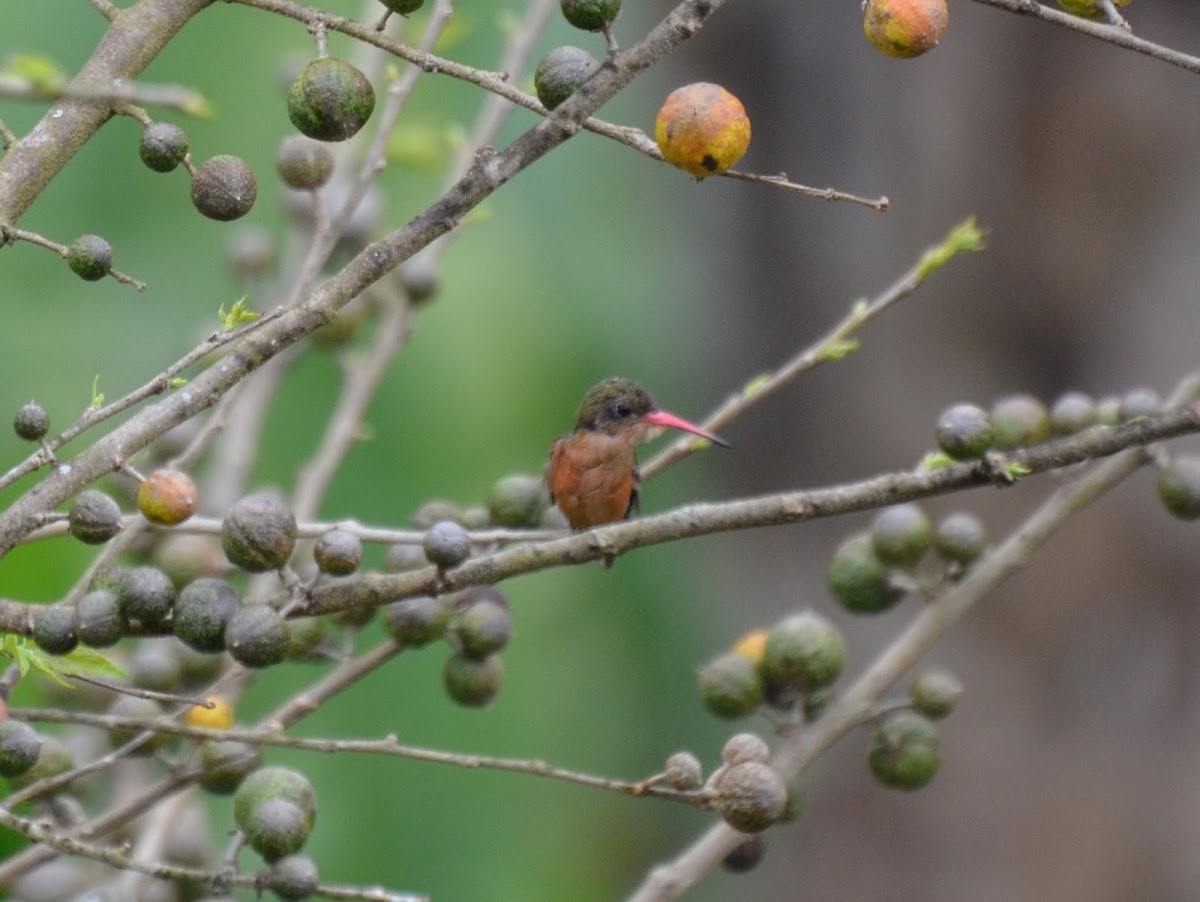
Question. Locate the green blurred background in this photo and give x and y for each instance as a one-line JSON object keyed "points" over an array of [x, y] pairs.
{"points": [[1069, 771]]}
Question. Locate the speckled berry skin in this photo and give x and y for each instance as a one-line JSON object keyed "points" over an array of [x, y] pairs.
{"points": [[702, 129]]}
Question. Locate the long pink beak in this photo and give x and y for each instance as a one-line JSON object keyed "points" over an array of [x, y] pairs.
{"points": [[662, 418]]}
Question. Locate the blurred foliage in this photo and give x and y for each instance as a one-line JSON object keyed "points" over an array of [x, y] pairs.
{"points": [[582, 270]]}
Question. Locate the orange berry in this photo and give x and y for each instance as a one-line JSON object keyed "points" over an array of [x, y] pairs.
{"points": [[218, 717], [752, 645], [167, 497], [905, 28], [702, 129]]}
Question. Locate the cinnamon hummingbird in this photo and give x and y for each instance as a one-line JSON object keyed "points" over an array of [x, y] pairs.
{"points": [[593, 473]]}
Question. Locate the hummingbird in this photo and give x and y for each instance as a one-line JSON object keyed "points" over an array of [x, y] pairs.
{"points": [[593, 473]]}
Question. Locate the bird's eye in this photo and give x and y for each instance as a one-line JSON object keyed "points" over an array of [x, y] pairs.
{"points": [[623, 410]]}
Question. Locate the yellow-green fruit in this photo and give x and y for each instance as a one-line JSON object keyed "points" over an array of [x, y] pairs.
{"points": [[702, 129], [1089, 9], [905, 28]]}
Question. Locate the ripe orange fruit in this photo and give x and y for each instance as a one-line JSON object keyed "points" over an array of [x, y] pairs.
{"points": [[905, 28], [702, 129]]}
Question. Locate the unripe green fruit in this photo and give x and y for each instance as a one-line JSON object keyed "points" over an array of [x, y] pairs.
{"points": [[90, 257], [904, 750], [302, 163], [484, 625], [1088, 9], [446, 544], [935, 693], [202, 612], [330, 100], [407, 7], [224, 188], [307, 638], [745, 855], [274, 783], [1019, 421], [561, 72], [960, 537], [473, 682], [53, 759], [294, 877], [226, 763], [276, 828], [256, 636], [964, 431], [167, 497], [94, 517], [730, 686], [805, 651], [417, 621], [99, 620], [590, 15], [1179, 487], [859, 580], [1072, 412], [900, 535], [750, 796], [1139, 402], [145, 594], [338, 552], [54, 628], [31, 422], [19, 747], [259, 533], [163, 146], [154, 665], [518, 500]]}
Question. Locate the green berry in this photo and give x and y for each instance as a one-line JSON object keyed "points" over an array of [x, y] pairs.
{"points": [[420, 279], [904, 750], [964, 431], [1139, 402], [900, 535], [256, 636], [259, 533], [308, 638], [1179, 487], [163, 146], [19, 747], [31, 422], [561, 72], [590, 15], [146, 594], [338, 552], [276, 828], [1019, 421], [226, 763], [99, 619], [746, 855], [750, 796], [446, 544], [330, 100], [403, 7], [203, 611], [935, 693], [859, 580], [224, 188], [417, 621], [90, 257], [402, 558], [268, 783], [53, 759], [745, 747], [294, 877], [518, 500], [94, 518], [960, 537], [433, 511], [154, 665], [54, 628], [1108, 411], [302, 163], [730, 686], [473, 682], [804, 651], [1073, 412], [484, 625]]}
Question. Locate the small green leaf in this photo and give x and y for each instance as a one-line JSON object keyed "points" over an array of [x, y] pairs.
{"points": [[1013, 471], [97, 395], [41, 72], [82, 660], [178, 382], [838, 348], [966, 236], [239, 313], [88, 662], [936, 460]]}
